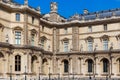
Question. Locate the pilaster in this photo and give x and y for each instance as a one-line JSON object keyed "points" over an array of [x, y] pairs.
{"points": [[75, 38], [25, 28]]}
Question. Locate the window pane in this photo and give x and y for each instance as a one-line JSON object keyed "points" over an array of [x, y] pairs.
{"points": [[90, 63], [105, 44], [17, 37], [105, 66], [90, 29], [17, 17], [65, 66], [17, 63], [90, 45], [65, 46]]}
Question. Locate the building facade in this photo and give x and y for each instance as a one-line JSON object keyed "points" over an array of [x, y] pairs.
{"points": [[33, 45]]}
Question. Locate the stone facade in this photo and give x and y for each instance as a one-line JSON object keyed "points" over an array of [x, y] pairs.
{"points": [[36, 45]]}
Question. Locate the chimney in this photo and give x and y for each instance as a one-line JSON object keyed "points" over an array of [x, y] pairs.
{"points": [[53, 7], [86, 11]]}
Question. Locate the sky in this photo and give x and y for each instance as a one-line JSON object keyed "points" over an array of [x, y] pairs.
{"points": [[68, 8]]}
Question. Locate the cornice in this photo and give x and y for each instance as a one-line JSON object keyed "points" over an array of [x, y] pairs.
{"points": [[80, 23], [20, 8]]}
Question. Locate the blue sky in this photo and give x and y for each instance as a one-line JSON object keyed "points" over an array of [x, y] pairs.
{"points": [[68, 8]]}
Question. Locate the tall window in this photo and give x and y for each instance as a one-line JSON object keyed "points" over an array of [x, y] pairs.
{"points": [[105, 44], [90, 65], [90, 45], [105, 27], [105, 65], [65, 46], [89, 28], [65, 30], [17, 63], [42, 43], [17, 37], [17, 17], [32, 39], [33, 20], [66, 66], [42, 28]]}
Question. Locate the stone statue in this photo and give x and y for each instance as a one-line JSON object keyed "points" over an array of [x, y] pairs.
{"points": [[53, 7]]}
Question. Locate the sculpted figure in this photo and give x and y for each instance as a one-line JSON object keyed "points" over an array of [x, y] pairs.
{"points": [[53, 7]]}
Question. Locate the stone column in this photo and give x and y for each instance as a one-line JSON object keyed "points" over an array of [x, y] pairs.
{"points": [[70, 65]]}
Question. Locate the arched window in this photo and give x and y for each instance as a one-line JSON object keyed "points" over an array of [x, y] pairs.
{"points": [[90, 45], [90, 66], [105, 65], [33, 63], [66, 66], [44, 66], [105, 44], [17, 63]]}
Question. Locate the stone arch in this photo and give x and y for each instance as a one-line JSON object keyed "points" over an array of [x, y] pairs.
{"points": [[89, 58], [1, 55], [18, 28], [34, 59], [33, 31], [104, 37], [90, 38]]}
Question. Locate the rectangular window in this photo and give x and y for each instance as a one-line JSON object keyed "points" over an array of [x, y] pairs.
{"points": [[90, 29], [42, 28], [17, 17], [105, 44], [32, 39], [105, 27], [90, 66], [33, 20], [17, 37], [65, 46], [42, 43], [90, 45], [65, 30]]}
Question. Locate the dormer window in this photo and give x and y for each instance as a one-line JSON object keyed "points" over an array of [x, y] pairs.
{"points": [[17, 17]]}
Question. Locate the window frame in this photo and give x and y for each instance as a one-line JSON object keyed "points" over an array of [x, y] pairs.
{"points": [[105, 44], [17, 63], [17, 16], [66, 46], [18, 35], [66, 66], [105, 27], [89, 28], [90, 44]]}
